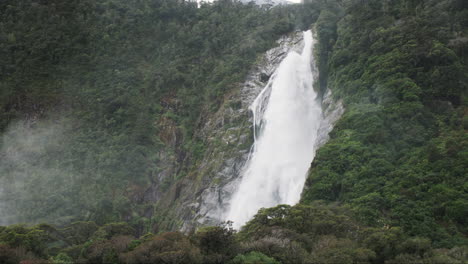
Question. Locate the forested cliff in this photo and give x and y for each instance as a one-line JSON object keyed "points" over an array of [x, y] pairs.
{"points": [[122, 120]]}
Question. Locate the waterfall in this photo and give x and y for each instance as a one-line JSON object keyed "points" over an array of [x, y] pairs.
{"points": [[286, 119]]}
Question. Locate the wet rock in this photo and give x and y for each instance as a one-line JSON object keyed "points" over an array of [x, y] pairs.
{"points": [[332, 111], [229, 137], [201, 197]]}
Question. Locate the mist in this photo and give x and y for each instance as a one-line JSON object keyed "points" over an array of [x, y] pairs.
{"points": [[32, 172]]}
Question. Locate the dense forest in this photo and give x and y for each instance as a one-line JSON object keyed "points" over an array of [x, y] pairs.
{"points": [[91, 83], [398, 156], [92, 92]]}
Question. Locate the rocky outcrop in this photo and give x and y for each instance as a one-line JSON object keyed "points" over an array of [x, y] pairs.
{"points": [[332, 111]]}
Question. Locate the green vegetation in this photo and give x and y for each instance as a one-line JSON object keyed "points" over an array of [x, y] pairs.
{"points": [[316, 233], [253, 258], [398, 156], [97, 97]]}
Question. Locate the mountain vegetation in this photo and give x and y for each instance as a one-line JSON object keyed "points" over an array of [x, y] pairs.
{"points": [[91, 92], [398, 155], [99, 87]]}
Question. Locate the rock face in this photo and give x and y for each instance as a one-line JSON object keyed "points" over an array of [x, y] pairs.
{"points": [[332, 111], [200, 198], [229, 137]]}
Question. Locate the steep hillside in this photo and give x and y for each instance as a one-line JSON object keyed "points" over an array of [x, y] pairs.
{"points": [[101, 98], [123, 120], [398, 156]]}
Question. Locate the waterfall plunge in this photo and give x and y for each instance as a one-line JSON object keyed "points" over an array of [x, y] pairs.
{"points": [[287, 117]]}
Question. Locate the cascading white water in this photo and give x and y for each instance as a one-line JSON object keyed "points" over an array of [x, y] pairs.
{"points": [[287, 117]]}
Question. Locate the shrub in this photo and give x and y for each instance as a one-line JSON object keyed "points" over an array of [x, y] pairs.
{"points": [[253, 258]]}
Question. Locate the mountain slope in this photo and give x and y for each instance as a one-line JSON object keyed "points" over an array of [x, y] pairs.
{"points": [[115, 123], [398, 154], [122, 88]]}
